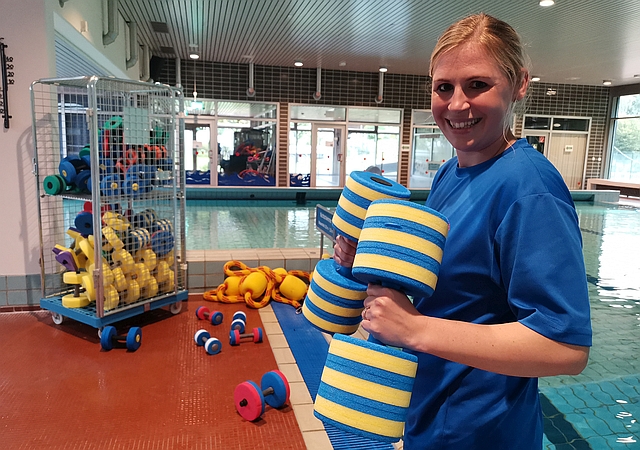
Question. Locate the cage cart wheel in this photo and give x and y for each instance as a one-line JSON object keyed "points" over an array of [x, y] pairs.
{"points": [[176, 307], [57, 318]]}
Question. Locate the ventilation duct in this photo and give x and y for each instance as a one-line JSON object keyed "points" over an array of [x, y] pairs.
{"points": [[380, 85], [133, 45], [251, 92], [317, 95], [144, 64], [112, 23], [178, 73]]}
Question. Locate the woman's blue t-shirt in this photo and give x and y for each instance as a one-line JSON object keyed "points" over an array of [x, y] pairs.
{"points": [[513, 253]]}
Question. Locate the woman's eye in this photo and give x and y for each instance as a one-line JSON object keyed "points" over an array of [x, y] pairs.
{"points": [[444, 87], [478, 85]]}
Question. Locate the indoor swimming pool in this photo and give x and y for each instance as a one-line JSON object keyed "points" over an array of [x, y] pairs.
{"points": [[598, 409]]}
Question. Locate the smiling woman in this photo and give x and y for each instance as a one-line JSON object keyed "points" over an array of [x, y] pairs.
{"points": [[503, 312]]}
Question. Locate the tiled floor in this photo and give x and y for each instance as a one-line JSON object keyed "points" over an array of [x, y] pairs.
{"points": [[59, 390]]}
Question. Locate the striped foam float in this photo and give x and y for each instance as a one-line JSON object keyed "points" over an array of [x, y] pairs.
{"points": [[360, 190], [401, 246], [365, 388], [333, 302]]}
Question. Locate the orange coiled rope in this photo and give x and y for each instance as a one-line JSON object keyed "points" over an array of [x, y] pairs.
{"points": [[256, 286]]}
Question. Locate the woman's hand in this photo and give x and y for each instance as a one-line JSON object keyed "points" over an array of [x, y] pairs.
{"points": [[389, 316], [344, 251]]}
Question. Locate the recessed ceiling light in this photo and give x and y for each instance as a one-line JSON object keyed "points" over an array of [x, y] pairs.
{"points": [[546, 3], [194, 56], [298, 64], [606, 82], [382, 69], [343, 63], [534, 78]]}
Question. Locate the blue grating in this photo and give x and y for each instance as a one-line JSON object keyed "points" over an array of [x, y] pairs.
{"points": [[310, 351]]}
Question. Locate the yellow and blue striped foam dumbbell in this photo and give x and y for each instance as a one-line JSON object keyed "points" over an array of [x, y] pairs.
{"points": [[401, 246], [365, 387], [335, 300]]}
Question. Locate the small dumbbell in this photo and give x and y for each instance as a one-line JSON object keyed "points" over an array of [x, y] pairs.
{"points": [[211, 345], [239, 321], [250, 399], [235, 336], [109, 338], [203, 313]]}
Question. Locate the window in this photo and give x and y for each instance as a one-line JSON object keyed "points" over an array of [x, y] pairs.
{"points": [[430, 149], [624, 160]]}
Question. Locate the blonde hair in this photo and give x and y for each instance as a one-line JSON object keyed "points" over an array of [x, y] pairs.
{"points": [[498, 39]]}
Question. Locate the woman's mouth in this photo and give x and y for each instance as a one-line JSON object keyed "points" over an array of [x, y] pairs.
{"points": [[459, 125]]}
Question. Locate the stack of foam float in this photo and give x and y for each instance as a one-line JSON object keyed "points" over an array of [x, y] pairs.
{"points": [[366, 387]]}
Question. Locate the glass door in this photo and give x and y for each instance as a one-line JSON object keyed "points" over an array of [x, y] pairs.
{"points": [[538, 140], [199, 157], [328, 145]]}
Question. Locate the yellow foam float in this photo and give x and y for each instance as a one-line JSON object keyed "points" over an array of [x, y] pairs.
{"points": [[257, 286]]}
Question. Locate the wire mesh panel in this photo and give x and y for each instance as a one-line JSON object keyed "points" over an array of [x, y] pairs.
{"points": [[110, 202]]}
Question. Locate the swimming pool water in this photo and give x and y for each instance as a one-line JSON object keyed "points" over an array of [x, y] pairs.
{"points": [[598, 409], [231, 224]]}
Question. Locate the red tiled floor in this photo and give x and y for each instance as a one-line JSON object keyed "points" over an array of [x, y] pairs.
{"points": [[59, 390]]}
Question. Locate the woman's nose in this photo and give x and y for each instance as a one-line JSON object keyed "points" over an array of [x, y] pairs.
{"points": [[458, 100]]}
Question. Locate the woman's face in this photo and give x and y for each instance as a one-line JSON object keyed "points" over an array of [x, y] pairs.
{"points": [[470, 101]]}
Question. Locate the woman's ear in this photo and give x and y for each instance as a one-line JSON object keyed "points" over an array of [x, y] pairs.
{"points": [[523, 85]]}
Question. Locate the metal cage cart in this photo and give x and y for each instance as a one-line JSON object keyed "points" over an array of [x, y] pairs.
{"points": [[111, 201]]}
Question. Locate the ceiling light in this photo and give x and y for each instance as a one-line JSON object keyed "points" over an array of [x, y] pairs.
{"points": [[343, 63], [382, 69], [534, 78], [298, 64], [606, 82], [636, 75], [546, 3], [194, 56]]}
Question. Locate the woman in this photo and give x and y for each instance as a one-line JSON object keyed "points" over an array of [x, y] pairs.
{"points": [[511, 303]]}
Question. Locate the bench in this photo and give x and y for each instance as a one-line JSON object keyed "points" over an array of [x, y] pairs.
{"points": [[628, 189]]}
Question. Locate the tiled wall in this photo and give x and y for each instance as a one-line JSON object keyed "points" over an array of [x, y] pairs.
{"points": [[224, 81], [19, 292]]}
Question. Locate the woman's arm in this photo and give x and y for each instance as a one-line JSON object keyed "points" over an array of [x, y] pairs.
{"points": [[509, 349]]}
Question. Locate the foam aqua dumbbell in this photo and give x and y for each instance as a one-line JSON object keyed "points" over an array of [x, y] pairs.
{"points": [[239, 321], [360, 190], [404, 236], [335, 300], [235, 337], [147, 257], [109, 338], [123, 259], [250, 399], [203, 313], [365, 388], [77, 299], [212, 345]]}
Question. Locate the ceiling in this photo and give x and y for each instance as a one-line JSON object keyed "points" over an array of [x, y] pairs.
{"points": [[573, 42]]}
